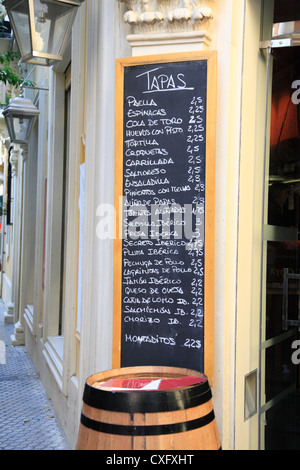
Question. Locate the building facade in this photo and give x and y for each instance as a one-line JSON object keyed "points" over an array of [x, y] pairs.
{"points": [[59, 285]]}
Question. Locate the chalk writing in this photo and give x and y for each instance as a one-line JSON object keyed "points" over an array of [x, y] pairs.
{"points": [[162, 82], [163, 208]]}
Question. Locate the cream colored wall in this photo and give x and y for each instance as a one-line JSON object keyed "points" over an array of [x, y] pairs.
{"points": [[238, 209], [251, 199], [228, 41], [227, 38], [92, 139], [105, 42]]}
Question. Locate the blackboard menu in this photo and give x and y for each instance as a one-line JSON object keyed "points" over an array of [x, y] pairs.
{"points": [[164, 202]]}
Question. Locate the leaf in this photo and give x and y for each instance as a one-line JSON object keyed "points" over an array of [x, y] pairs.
{"points": [[6, 73]]}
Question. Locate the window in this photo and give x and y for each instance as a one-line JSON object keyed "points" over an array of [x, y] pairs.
{"points": [[65, 187]]}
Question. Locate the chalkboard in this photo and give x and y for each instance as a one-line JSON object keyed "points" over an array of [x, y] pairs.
{"points": [[164, 201]]}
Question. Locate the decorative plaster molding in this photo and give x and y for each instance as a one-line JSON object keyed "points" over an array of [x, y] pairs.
{"points": [[24, 152], [9, 314], [168, 16], [14, 161], [18, 154], [18, 338]]}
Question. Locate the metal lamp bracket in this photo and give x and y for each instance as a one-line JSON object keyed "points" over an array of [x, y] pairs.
{"points": [[275, 43]]}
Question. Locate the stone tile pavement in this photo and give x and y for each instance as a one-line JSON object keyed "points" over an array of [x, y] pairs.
{"points": [[27, 418]]}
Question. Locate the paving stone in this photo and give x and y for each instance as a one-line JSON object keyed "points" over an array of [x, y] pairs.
{"points": [[28, 420]]}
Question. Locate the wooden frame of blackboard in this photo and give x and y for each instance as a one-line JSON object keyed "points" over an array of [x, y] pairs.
{"points": [[211, 60]]}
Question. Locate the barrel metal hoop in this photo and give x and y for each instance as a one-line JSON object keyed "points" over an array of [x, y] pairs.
{"points": [[117, 429], [147, 402]]}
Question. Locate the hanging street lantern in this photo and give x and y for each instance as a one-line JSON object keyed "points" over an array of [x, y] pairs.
{"points": [[20, 116], [42, 28]]}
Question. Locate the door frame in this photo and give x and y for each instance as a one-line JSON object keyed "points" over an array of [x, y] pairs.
{"points": [[254, 110]]}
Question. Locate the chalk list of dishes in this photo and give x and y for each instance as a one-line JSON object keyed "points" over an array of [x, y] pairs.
{"points": [[163, 222]]}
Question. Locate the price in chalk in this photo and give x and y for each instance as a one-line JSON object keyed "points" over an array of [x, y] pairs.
{"points": [[166, 159]]}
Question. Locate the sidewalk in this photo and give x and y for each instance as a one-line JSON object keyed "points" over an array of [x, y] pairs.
{"points": [[27, 417]]}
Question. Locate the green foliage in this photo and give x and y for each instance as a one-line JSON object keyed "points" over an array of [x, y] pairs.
{"points": [[7, 75], [3, 210]]}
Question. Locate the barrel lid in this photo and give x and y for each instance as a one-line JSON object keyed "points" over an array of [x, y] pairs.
{"points": [[176, 394], [148, 383]]}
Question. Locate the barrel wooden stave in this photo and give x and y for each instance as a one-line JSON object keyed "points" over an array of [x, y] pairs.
{"points": [[205, 436]]}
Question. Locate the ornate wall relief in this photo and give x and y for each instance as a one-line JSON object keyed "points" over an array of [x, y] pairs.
{"points": [[169, 18]]}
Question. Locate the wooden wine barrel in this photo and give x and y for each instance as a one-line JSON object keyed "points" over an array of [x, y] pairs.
{"points": [[180, 418]]}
